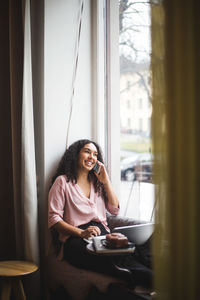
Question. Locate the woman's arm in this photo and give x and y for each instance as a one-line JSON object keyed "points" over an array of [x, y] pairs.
{"points": [[67, 229], [104, 178], [112, 198]]}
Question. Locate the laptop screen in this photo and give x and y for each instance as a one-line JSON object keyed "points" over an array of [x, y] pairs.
{"points": [[137, 234]]}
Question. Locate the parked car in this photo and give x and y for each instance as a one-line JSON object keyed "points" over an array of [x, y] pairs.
{"points": [[137, 168]]}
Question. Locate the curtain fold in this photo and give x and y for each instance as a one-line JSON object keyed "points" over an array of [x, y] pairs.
{"points": [[15, 26], [22, 132], [28, 167], [159, 133], [7, 233], [176, 139]]}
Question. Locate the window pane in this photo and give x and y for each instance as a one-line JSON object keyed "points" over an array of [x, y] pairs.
{"points": [[137, 188]]}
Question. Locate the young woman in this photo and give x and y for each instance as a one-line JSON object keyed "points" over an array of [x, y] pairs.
{"points": [[78, 200]]}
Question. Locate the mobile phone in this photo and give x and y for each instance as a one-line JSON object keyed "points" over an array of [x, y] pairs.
{"points": [[96, 168]]}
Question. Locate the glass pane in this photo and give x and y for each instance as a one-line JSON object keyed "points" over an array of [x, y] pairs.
{"points": [[137, 188]]}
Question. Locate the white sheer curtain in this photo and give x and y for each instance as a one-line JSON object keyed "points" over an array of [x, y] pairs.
{"points": [[28, 161]]}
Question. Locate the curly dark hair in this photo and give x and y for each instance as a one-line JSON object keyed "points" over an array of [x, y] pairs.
{"points": [[68, 165]]}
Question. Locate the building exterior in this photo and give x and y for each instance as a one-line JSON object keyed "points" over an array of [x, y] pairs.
{"points": [[135, 97]]}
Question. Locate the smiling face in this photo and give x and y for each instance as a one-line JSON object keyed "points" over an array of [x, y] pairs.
{"points": [[87, 157]]}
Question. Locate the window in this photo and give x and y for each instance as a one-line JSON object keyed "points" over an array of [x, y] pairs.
{"points": [[128, 109], [128, 85], [137, 189], [129, 123], [140, 103], [140, 125]]}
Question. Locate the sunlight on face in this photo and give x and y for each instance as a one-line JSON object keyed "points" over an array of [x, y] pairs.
{"points": [[87, 157]]}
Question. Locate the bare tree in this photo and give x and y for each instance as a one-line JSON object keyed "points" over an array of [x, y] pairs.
{"points": [[132, 22]]}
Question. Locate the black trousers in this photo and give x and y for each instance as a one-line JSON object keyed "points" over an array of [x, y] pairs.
{"points": [[75, 253]]}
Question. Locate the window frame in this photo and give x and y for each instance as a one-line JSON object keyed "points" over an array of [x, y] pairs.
{"points": [[98, 81], [106, 97], [112, 93]]}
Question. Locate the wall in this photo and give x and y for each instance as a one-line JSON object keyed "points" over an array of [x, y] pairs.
{"points": [[60, 33], [54, 30], [61, 24]]}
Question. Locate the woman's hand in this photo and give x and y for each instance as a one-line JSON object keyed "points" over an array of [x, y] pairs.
{"points": [[90, 231], [102, 174]]}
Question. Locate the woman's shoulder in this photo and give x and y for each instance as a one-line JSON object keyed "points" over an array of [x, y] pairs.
{"points": [[61, 180]]}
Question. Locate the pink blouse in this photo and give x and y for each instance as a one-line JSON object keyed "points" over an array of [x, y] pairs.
{"points": [[67, 202]]}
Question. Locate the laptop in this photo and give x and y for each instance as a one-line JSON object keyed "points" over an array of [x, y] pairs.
{"points": [[136, 234]]}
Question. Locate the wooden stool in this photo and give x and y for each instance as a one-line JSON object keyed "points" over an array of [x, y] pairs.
{"points": [[10, 271]]}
